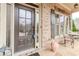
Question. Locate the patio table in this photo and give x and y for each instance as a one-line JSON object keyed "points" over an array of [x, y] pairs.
{"points": [[72, 37]]}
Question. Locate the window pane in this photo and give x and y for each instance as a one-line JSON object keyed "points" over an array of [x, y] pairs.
{"points": [[53, 25], [53, 30], [28, 21], [57, 18], [62, 24], [21, 13], [22, 21], [28, 24], [57, 26], [21, 27], [28, 14], [69, 23], [57, 21], [53, 18], [66, 25], [57, 29]]}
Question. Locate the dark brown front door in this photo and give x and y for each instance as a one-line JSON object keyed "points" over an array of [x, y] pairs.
{"points": [[24, 28]]}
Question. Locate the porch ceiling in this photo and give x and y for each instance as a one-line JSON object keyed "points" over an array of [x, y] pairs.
{"points": [[71, 6]]}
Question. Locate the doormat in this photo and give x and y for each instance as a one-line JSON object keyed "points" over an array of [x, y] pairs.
{"points": [[35, 54]]}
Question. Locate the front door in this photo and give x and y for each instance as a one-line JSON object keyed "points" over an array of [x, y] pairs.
{"points": [[24, 28]]}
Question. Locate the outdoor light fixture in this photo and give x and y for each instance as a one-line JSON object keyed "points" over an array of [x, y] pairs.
{"points": [[76, 5]]}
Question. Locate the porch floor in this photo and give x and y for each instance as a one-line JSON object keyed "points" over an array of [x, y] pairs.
{"points": [[63, 51]]}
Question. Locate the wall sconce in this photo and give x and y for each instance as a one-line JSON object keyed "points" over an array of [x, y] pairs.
{"points": [[76, 5]]}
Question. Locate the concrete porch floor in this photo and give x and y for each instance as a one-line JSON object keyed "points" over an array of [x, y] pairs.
{"points": [[63, 51]]}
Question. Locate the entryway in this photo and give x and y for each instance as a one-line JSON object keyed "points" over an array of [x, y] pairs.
{"points": [[24, 28]]}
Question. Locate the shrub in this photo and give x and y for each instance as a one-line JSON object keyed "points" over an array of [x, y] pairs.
{"points": [[74, 29]]}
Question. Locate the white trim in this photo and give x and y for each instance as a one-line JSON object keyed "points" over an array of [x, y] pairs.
{"points": [[60, 13], [36, 25], [12, 29], [40, 25], [3, 25], [27, 5]]}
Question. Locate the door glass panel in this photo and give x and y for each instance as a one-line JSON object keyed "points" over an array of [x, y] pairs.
{"points": [[28, 25], [28, 14], [28, 21], [21, 13], [22, 21], [21, 27], [21, 40]]}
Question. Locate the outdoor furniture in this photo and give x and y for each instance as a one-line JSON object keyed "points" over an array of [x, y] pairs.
{"points": [[72, 40], [69, 38], [4, 49]]}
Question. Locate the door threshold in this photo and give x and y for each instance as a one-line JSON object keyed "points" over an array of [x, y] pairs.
{"points": [[26, 52]]}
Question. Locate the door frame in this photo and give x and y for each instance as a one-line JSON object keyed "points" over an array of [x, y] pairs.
{"points": [[12, 28]]}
